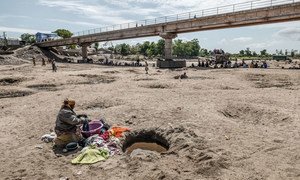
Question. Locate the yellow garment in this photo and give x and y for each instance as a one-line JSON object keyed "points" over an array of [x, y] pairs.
{"points": [[91, 156], [63, 139]]}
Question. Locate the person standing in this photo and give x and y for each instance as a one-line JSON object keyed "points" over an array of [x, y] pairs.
{"points": [[54, 68], [33, 61], [146, 67], [43, 62]]}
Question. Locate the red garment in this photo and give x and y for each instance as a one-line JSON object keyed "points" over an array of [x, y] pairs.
{"points": [[118, 131], [105, 136]]}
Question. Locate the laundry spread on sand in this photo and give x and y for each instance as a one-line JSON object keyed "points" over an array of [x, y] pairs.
{"points": [[48, 137], [100, 146], [118, 131], [91, 155]]}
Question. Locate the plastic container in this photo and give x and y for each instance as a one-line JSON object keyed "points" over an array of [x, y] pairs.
{"points": [[94, 128]]}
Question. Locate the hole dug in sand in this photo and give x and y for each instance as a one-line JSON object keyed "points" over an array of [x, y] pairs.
{"points": [[96, 79], [145, 140], [43, 87], [14, 93], [10, 81]]}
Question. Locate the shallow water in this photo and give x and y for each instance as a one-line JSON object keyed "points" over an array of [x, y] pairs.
{"points": [[146, 146]]}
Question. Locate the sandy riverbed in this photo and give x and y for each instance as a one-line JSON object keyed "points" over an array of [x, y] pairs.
{"points": [[220, 123]]}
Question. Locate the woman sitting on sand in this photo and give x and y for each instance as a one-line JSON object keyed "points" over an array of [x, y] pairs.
{"points": [[66, 127]]}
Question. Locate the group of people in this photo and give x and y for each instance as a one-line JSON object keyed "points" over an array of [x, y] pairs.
{"points": [[52, 61], [229, 64]]}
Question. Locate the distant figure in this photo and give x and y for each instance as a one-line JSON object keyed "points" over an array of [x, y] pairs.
{"points": [[146, 67], [43, 62], [206, 64], [243, 62], [202, 64], [33, 61], [256, 65], [199, 64], [195, 16], [183, 76], [265, 65], [49, 60], [54, 68], [193, 65], [235, 65], [252, 64]]}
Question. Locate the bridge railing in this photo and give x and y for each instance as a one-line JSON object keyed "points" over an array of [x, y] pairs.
{"points": [[190, 15]]}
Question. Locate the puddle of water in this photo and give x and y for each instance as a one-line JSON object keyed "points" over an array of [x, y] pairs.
{"points": [[146, 146]]}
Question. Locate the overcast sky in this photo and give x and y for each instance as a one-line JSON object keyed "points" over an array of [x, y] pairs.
{"points": [[19, 16]]}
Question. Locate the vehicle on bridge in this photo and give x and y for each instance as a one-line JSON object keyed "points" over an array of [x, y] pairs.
{"points": [[41, 37]]}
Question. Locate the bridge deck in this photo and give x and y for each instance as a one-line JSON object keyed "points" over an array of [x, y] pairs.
{"points": [[264, 15]]}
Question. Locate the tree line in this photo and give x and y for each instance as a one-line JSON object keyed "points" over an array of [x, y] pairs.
{"points": [[153, 49]]}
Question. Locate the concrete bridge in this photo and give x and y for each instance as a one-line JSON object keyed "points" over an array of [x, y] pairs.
{"points": [[236, 15]]}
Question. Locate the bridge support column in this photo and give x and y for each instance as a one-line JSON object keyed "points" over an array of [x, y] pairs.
{"points": [[169, 62], [168, 44], [84, 51]]}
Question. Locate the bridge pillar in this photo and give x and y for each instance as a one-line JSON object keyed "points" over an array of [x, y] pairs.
{"points": [[169, 62], [168, 44], [84, 51]]}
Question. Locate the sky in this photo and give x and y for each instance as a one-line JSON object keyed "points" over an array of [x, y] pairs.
{"points": [[31, 16]]}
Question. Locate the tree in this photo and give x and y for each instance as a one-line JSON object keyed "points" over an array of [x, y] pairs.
{"points": [[152, 50], [179, 48], [161, 47], [143, 48], [64, 33], [134, 49], [248, 52], [204, 52], [96, 46], [194, 47], [242, 52], [123, 49], [292, 53], [263, 52], [28, 38], [254, 54]]}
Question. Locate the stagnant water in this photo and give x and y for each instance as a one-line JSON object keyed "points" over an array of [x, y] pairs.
{"points": [[146, 146]]}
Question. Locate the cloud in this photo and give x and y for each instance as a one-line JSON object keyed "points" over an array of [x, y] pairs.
{"points": [[262, 45], [21, 30], [242, 39], [13, 16], [121, 11], [223, 41], [75, 22], [292, 33], [94, 11]]}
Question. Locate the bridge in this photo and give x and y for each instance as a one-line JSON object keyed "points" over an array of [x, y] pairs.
{"points": [[230, 16]]}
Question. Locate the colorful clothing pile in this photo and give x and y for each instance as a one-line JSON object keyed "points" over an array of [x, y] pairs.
{"points": [[96, 145]]}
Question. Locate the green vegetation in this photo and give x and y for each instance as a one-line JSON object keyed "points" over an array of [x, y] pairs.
{"points": [[28, 38], [64, 33], [152, 49]]}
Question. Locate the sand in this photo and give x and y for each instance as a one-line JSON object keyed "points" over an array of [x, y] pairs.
{"points": [[219, 123]]}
